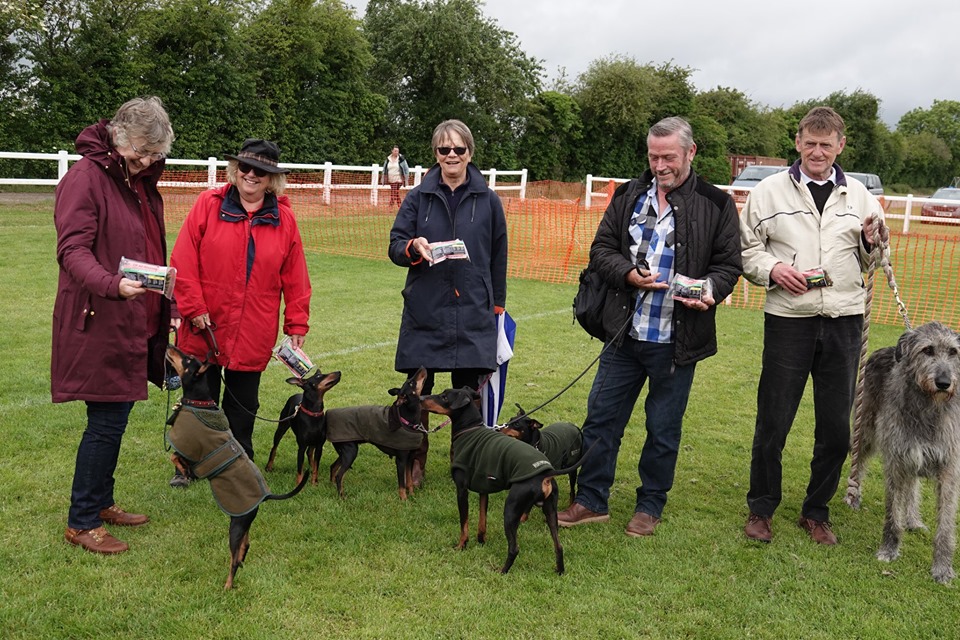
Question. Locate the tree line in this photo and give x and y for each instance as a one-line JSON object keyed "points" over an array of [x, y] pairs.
{"points": [[327, 84]]}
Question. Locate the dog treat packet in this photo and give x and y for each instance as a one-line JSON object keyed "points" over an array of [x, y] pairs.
{"points": [[296, 360], [448, 250], [153, 277], [817, 278], [684, 288]]}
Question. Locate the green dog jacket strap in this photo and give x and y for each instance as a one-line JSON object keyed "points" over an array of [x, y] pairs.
{"points": [[218, 459]]}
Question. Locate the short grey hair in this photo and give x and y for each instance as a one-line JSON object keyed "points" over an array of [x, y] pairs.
{"points": [[278, 181], [146, 119], [445, 128], [672, 125]]}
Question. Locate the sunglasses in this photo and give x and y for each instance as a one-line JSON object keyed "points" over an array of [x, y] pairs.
{"points": [[243, 167], [153, 155], [445, 151]]}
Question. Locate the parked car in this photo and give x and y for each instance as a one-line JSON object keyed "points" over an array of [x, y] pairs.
{"points": [[753, 174], [943, 210], [870, 180]]}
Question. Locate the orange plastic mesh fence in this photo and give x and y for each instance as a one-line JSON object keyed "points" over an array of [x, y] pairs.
{"points": [[550, 235]]}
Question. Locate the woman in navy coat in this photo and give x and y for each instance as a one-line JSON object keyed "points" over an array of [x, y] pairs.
{"points": [[450, 306]]}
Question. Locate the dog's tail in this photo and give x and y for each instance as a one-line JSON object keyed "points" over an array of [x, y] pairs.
{"points": [[295, 491], [576, 465]]}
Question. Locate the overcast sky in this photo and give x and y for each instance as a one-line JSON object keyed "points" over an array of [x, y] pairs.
{"points": [[778, 53]]}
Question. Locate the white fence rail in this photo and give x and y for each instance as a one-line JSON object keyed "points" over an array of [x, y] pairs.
{"points": [[909, 210], [63, 160]]}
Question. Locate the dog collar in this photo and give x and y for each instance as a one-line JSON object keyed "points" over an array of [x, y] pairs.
{"points": [[199, 404], [312, 414]]}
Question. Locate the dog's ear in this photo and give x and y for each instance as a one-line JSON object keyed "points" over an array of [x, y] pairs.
{"points": [[297, 382], [394, 392], [903, 345], [462, 397]]}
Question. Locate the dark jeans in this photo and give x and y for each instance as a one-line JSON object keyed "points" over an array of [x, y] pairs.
{"points": [[96, 461], [621, 374], [241, 400], [794, 349]]}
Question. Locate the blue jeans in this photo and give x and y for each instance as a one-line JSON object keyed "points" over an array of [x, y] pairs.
{"points": [[828, 349], [621, 374], [96, 462]]}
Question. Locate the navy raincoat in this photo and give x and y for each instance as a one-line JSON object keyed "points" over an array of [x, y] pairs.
{"points": [[448, 309]]}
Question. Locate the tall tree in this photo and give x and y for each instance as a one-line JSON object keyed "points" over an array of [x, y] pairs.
{"points": [[750, 129], [313, 61], [83, 67], [552, 130], [440, 59], [193, 57], [941, 120], [619, 100]]}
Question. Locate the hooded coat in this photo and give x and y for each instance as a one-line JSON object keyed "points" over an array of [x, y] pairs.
{"points": [[235, 267], [448, 309], [104, 347]]}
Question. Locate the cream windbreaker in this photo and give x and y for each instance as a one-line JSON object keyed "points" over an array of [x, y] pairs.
{"points": [[780, 223]]}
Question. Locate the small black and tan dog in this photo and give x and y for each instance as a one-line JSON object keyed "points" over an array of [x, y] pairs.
{"points": [[486, 461], [304, 413], [204, 447], [395, 429], [561, 442]]}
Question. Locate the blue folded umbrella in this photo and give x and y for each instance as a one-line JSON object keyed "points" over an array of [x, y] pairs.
{"points": [[493, 390]]}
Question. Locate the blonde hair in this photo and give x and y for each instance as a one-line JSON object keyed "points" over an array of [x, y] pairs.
{"points": [[278, 181]]}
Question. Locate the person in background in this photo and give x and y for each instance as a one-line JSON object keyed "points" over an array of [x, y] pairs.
{"points": [[395, 172], [239, 251], [807, 218], [109, 332], [450, 308], [667, 222]]}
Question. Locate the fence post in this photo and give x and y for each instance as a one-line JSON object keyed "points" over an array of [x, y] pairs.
{"points": [[211, 172], [327, 178], [61, 164], [374, 184], [586, 199], [523, 184], [906, 213], [417, 175], [493, 179]]}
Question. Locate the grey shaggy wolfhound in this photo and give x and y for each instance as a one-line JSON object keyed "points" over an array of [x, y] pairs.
{"points": [[911, 416]]}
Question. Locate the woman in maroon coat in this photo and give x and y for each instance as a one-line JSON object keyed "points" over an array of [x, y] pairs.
{"points": [[109, 332], [238, 252]]}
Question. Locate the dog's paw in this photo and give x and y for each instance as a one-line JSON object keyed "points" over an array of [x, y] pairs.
{"points": [[916, 525], [885, 554], [943, 575]]}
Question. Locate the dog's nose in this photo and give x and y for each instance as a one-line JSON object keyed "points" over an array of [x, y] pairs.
{"points": [[943, 383]]}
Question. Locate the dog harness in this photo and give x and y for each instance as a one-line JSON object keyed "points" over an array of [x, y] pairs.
{"points": [[203, 438], [493, 461], [561, 443], [370, 424]]}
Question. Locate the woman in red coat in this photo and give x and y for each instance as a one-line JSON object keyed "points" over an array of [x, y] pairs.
{"points": [[238, 252], [109, 332]]}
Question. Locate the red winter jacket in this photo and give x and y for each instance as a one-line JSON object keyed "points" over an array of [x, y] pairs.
{"points": [[105, 348], [239, 282]]}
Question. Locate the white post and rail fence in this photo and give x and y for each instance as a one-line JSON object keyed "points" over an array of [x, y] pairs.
{"points": [[515, 185]]}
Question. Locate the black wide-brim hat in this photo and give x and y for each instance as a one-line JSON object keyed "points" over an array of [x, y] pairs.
{"points": [[261, 154]]}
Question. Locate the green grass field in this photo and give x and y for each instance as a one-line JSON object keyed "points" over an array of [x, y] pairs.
{"points": [[370, 566]]}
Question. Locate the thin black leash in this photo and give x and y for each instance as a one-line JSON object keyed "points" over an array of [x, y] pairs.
{"points": [[610, 343]]}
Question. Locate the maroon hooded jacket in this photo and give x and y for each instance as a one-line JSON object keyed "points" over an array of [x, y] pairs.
{"points": [[105, 348]]}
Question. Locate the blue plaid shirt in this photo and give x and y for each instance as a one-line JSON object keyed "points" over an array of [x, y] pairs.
{"points": [[653, 317]]}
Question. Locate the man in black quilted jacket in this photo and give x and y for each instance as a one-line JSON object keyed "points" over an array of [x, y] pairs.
{"points": [[667, 223]]}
